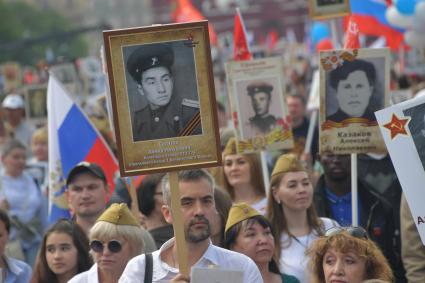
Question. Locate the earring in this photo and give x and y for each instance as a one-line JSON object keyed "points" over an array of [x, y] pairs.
{"points": [[278, 201]]}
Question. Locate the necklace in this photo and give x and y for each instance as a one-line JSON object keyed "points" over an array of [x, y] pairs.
{"points": [[305, 245]]}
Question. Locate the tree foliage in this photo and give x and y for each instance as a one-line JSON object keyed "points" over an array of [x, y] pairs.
{"points": [[20, 21]]}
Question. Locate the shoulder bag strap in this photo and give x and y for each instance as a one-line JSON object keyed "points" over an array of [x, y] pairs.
{"points": [[148, 268]]}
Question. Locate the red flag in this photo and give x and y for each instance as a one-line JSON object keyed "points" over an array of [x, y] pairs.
{"points": [[186, 12], [272, 39], [240, 43], [352, 35]]}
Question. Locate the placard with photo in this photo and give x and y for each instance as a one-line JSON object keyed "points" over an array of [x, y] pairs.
{"points": [[326, 9], [256, 89], [353, 85], [163, 99]]}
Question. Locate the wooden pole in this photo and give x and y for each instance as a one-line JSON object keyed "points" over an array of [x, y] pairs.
{"points": [[354, 189], [134, 201], [180, 239]]}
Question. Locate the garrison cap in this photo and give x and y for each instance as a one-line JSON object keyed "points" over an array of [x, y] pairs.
{"points": [[287, 163], [118, 214], [259, 87], [149, 56], [238, 213]]}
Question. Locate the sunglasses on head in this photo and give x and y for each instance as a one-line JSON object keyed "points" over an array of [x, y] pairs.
{"points": [[357, 232], [113, 246]]}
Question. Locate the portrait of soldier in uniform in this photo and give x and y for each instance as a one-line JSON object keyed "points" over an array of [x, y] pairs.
{"points": [[417, 129], [260, 94], [166, 114]]}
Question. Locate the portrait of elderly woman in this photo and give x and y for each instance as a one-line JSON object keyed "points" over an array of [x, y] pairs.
{"points": [[358, 90], [165, 82], [346, 254]]}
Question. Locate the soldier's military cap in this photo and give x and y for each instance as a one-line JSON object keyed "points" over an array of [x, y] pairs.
{"points": [[238, 213], [147, 57], [287, 163], [118, 214], [259, 87]]}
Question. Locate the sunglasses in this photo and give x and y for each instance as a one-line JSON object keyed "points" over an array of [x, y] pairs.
{"points": [[357, 232], [113, 246]]}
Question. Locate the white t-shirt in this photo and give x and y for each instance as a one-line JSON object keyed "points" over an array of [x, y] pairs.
{"points": [[260, 206], [293, 260], [89, 276], [213, 256]]}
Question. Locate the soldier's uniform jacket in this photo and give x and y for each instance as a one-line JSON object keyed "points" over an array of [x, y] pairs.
{"points": [[165, 122], [262, 125]]}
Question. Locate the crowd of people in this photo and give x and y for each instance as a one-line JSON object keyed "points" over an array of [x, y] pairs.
{"points": [[297, 229]]}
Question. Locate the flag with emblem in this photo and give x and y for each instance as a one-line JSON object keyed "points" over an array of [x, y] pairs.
{"points": [[240, 43], [403, 129], [72, 139]]}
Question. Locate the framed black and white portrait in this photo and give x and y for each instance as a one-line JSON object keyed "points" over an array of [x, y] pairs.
{"points": [[162, 94], [354, 84], [325, 9]]}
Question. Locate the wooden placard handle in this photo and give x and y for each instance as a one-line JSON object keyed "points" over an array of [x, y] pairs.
{"points": [[178, 225]]}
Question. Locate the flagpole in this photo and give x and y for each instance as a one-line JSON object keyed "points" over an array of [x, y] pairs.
{"points": [[354, 189]]}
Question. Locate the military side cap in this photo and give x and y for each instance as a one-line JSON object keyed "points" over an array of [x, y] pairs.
{"points": [[287, 163], [147, 57], [230, 147], [83, 167], [238, 213], [259, 87], [118, 214]]}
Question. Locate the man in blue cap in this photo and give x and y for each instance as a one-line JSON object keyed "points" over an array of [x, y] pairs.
{"points": [[166, 115]]}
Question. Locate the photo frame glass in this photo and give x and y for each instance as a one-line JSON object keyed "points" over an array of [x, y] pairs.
{"points": [[163, 100], [36, 102], [325, 9], [354, 84], [261, 119]]}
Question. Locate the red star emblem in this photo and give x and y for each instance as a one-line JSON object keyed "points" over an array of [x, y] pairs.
{"points": [[397, 126]]}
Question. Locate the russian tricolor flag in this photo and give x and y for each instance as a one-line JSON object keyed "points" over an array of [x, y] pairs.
{"points": [[72, 139], [370, 18]]}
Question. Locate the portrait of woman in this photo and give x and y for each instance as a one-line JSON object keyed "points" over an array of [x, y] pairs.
{"points": [[345, 254], [354, 85]]}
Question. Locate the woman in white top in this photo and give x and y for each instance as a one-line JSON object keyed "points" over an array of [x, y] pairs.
{"points": [[114, 240], [290, 210], [243, 177]]}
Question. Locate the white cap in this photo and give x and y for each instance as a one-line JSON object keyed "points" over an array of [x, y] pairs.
{"points": [[13, 101]]}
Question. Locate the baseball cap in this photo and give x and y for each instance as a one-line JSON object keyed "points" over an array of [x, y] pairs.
{"points": [[84, 167], [13, 101]]}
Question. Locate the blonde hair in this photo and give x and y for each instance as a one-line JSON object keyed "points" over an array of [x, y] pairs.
{"points": [[376, 264], [129, 233], [40, 135]]}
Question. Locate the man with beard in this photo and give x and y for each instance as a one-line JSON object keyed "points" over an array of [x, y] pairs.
{"points": [[196, 190], [332, 199]]}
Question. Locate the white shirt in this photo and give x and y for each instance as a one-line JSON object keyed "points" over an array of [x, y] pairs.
{"points": [[293, 260], [260, 206], [213, 256], [89, 276]]}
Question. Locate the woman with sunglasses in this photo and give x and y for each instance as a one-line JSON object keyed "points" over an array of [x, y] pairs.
{"points": [[114, 240], [243, 179], [291, 212], [347, 255], [64, 253], [250, 233]]}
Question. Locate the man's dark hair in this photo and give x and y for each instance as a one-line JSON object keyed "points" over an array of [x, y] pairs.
{"points": [[146, 192], [342, 72]]}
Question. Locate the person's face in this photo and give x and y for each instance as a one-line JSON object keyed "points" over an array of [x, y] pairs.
{"points": [[61, 254], [296, 108], [260, 103], [4, 237], [237, 169], [40, 150], [335, 167], [295, 191], [157, 86], [14, 162], [14, 116], [256, 242], [158, 199], [354, 93], [198, 209], [343, 267], [111, 261], [87, 195]]}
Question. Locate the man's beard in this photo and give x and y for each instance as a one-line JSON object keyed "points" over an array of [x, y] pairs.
{"points": [[198, 236]]}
